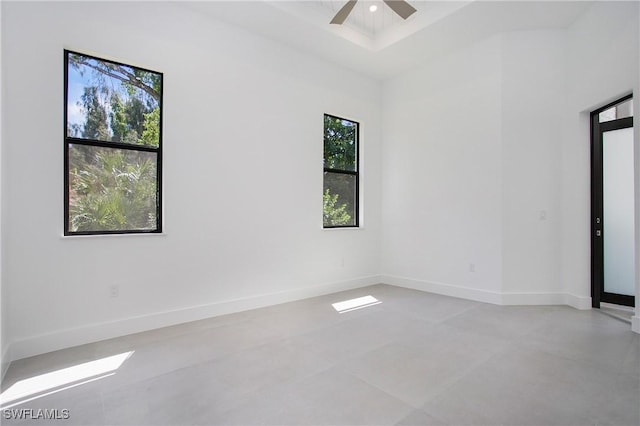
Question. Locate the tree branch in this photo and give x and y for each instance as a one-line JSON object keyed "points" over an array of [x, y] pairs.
{"points": [[127, 77]]}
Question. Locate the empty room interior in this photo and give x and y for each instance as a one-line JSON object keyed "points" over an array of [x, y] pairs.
{"points": [[325, 212]]}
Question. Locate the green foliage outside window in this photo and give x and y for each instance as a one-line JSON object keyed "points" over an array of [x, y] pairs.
{"points": [[340, 172], [340, 138], [112, 189], [334, 214]]}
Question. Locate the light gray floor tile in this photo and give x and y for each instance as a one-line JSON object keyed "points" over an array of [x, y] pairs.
{"points": [[341, 341], [189, 349], [623, 402], [328, 398], [521, 386], [415, 369], [178, 397], [507, 322], [631, 363], [83, 404], [409, 374], [414, 358], [441, 308], [289, 321], [267, 365], [397, 325], [420, 418], [587, 336], [46, 363]]}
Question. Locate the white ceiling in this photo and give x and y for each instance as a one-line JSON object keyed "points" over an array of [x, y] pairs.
{"points": [[386, 45], [360, 18], [372, 31]]}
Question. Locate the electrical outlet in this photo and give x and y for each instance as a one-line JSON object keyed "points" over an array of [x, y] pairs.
{"points": [[114, 290]]}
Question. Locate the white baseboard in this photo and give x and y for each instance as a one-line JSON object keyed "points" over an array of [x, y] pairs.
{"points": [[635, 323], [35, 345], [444, 289], [490, 296], [579, 302]]}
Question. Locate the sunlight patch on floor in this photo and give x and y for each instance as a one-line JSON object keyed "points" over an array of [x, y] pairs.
{"points": [[353, 304], [65, 378]]}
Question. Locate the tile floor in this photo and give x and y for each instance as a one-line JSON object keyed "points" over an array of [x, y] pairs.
{"points": [[413, 359]]}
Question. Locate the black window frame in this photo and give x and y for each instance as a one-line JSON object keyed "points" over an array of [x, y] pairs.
{"points": [[71, 140], [355, 173]]}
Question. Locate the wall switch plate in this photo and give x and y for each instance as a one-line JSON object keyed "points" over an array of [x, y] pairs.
{"points": [[114, 290]]}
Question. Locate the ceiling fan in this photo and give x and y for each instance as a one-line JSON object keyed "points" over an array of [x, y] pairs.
{"points": [[401, 7]]}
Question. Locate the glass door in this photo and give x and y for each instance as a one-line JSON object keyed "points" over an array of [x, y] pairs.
{"points": [[613, 246]]}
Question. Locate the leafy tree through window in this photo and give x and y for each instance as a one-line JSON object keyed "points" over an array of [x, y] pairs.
{"points": [[341, 176], [113, 147]]}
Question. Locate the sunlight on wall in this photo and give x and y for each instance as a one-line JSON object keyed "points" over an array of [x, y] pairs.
{"points": [[56, 381], [353, 304]]}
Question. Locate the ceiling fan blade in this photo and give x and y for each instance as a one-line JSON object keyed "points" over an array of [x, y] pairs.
{"points": [[401, 7], [342, 14]]}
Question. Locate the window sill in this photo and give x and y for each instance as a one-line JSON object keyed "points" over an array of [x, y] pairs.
{"points": [[133, 235]]}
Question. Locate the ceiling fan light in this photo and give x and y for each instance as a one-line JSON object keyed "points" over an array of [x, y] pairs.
{"points": [[400, 7]]}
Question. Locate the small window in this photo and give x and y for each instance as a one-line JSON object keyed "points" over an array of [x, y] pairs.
{"points": [[620, 110], [113, 147], [341, 176]]}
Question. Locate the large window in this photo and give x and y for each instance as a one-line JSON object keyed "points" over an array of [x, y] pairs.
{"points": [[113, 147], [341, 175]]}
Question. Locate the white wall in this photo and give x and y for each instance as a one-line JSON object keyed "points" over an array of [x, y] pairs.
{"points": [[471, 200], [242, 176], [442, 167], [602, 65], [533, 101], [636, 108], [479, 146], [4, 344], [486, 161]]}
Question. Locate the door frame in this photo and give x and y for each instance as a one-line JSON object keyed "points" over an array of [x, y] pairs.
{"points": [[598, 294]]}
